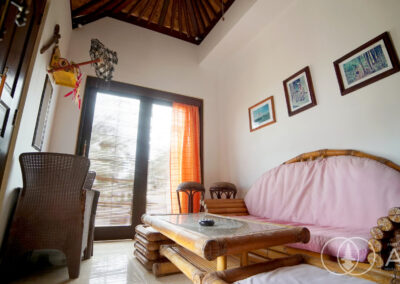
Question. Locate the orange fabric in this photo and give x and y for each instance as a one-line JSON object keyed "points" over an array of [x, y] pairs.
{"points": [[185, 153]]}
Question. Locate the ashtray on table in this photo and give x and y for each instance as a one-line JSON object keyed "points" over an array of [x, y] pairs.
{"points": [[206, 222]]}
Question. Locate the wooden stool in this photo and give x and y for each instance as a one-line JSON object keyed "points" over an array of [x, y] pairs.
{"points": [[147, 246], [190, 188], [223, 188]]}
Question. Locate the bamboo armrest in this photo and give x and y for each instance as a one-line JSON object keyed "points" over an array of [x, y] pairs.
{"points": [[240, 273]]}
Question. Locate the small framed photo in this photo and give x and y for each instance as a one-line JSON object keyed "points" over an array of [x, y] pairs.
{"points": [[299, 92], [367, 64], [262, 114], [43, 113]]}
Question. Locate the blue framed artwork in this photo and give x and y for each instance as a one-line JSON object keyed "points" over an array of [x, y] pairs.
{"points": [[299, 92], [367, 64], [262, 114]]}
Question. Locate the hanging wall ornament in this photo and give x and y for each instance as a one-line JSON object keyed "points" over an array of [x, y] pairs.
{"points": [[105, 67], [70, 75]]}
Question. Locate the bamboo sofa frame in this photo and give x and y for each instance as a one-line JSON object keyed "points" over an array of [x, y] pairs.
{"points": [[237, 207]]}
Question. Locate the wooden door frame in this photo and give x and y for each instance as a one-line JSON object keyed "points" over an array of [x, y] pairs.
{"points": [[37, 12], [148, 97]]}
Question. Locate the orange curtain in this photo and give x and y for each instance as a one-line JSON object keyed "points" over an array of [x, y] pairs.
{"points": [[185, 153]]}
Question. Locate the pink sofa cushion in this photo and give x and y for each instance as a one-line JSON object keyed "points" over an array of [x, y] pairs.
{"points": [[344, 192], [356, 249]]}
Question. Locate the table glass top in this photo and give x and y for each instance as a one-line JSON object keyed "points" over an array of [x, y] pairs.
{"points": [[222, 226]]}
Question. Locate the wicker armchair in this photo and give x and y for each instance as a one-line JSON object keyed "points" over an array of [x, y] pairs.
{"points": [[53, 210]]}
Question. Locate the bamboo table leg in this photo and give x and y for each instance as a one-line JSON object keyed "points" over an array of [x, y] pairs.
{"points": [[244, 260], [221, 263]]}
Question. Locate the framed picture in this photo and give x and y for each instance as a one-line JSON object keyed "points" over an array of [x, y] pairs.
{"points": [[367, 64], [42, 116], [262, 114], [299, 92]]}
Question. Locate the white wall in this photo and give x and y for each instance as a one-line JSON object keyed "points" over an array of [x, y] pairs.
{"points": [[148, 59], [313, 33], [57, 12], [244, 60]]}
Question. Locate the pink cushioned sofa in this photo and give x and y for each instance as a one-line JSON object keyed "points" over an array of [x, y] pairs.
{"points": [[336, 194]]}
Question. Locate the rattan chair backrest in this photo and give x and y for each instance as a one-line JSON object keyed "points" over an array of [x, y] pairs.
{"points": [[53, 185]]}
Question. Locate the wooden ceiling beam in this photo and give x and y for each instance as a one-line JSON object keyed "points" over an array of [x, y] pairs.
{"points": [[211, 7], [144, 9], [173, 12], [121, 6], [201, 5], [84, 7], [154, 27], [199, 17], [192, 17], [153, 10], [99, 13], [163, 12], [179, 15], [132, 9], [185, 10], [189, 18]]}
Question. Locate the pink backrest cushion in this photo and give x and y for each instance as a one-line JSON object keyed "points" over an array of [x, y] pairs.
{"points": [[341, 191]]}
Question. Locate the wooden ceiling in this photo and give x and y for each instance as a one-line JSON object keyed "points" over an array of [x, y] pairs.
{"points": [[189, 20]]}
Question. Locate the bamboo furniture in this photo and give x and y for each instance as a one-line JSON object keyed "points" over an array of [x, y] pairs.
{"points": [[229, 236], [53, 209], [362, 270], [320, 154], [190, 188], [385, 238], [226, 207], [147, 247], [192, 265], [223, 188]]}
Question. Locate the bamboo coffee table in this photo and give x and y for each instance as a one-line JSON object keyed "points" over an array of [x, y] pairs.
{"points": [[229, 236]]}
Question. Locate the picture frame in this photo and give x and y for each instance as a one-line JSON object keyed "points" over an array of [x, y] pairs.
{"points": [[299, 91], [262, 114], [371, 62], [43, 113]]}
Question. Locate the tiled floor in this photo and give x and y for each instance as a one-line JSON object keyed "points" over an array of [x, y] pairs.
{"points": [[112, 262]]}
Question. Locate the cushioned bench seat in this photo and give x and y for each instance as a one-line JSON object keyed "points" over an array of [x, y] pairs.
{"points": [[333, 197], [357, 249], [299, 274]]}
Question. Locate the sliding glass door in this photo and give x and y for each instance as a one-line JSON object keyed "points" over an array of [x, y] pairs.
{"points": [[158, 197], [125, 132], [128, 147], [112, 154]]}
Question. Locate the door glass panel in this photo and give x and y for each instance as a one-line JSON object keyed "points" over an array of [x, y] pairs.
{"points": [[112, 155], [158, 183]]}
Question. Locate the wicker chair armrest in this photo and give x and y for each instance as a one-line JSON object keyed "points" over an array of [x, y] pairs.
{"points": [[18, 192], [93, 196], [89, 198]]}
